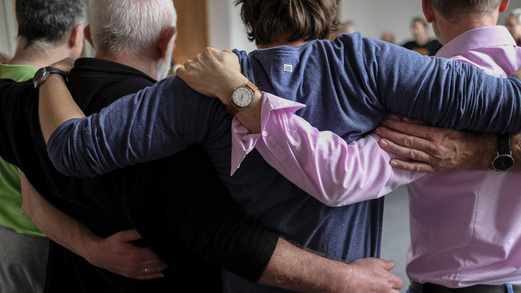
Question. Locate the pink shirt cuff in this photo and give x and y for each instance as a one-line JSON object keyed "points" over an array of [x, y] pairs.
{"points": [[243, 142]]}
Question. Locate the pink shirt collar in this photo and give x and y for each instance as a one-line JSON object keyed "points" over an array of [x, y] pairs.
{"points": [[476, 39]]}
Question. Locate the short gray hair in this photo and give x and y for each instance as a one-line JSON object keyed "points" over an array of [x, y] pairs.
{"points": [[48, 22], [133, 26], [450, 8], [515, 13]]}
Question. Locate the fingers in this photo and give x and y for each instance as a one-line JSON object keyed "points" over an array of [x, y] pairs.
{"points": [[407, 152], [129, 235], [389, 265], [412, 166], [404, 139], [421, 160], [373, 275], [413, 121], [151, 272], [188, 63], [183, 73], [199, 58], [150, 269], [180, 72], [410, 128], [404, 145], [395, 281]]}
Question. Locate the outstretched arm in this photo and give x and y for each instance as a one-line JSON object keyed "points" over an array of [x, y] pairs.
{"points": [[59, 105], [289, 266], [302, 271], [115, 253], [320, 163]]}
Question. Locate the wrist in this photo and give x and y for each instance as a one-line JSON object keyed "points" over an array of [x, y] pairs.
{"points": [[515, 147], [250, 117], [89, 246], [227, 90], [485, 149], [503, 160], [45, 73]]}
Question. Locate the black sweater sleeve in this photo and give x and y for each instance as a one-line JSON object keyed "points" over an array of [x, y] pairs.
{"points": [[185, 197]]}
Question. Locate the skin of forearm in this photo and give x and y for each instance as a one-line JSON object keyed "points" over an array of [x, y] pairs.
{"points": [[483, 146], [299, 270], [56, 105], [515, 147], [58, 226], [250, 117]]}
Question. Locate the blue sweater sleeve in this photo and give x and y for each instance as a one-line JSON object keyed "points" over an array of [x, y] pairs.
{"points": [[154, 123], [163, 119], [439, 91]]}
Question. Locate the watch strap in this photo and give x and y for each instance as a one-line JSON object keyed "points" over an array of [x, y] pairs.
{"points": [[503, 160], [503, 144], [43, 73]]}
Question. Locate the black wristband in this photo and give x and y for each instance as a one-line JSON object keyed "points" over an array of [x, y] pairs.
{"points": [[43, 73]]}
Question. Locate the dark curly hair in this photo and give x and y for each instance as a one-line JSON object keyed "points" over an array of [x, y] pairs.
{"points": [[269, 20]]}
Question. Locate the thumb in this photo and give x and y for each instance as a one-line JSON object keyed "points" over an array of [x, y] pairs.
{"points": [[129, 235], [388, 264], [181, 72]]}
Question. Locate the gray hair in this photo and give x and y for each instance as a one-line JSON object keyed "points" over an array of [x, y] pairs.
{"points": [[132, 26], [515, 13], [48, 22], [450, 8]]}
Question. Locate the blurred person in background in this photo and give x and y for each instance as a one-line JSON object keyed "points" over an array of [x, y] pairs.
{"points": [[422, 42]]}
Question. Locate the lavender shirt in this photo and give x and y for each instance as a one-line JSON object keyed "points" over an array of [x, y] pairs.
{"points": [[465, 226]]}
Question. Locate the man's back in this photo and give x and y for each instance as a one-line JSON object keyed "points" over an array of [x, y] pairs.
{"points": [[177, 204], [94, 201], [466, 224], [99, 202], [366, 84]]}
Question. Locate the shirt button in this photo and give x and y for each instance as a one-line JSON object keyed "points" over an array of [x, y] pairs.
{"points": [[264, 133]]}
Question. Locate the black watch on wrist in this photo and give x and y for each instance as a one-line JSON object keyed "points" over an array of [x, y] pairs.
{"points": [[503, 160], [43, 73]]}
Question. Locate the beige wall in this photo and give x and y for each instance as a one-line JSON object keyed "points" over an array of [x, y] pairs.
{"points": [[7, 27], [372, 17]]}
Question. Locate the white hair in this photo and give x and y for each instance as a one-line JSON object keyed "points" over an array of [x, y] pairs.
{"points": [[516, 13], [132, 26]]}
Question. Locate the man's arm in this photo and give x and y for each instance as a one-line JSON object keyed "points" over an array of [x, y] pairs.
{"points": [[327, 275], [295, 269], [115, 253], [95, 147], [61, 107], [319, 162], [436, 150]]}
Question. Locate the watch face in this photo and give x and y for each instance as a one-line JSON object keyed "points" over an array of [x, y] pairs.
{"points": [[242, 96], [503, 162], [40, 77]]}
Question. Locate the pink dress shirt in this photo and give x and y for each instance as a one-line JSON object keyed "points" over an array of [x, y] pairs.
{"points": [[465, 225]]}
